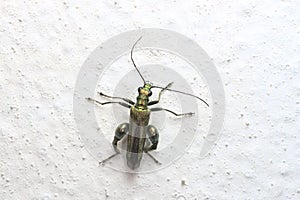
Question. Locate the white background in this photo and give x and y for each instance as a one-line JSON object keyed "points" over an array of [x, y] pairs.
{"points": [[255, 46]]}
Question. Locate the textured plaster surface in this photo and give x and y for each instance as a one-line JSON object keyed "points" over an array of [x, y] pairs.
{"points": [[255, 46]]}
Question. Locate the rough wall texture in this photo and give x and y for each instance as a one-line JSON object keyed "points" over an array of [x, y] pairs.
{"points": [[255, 46]]}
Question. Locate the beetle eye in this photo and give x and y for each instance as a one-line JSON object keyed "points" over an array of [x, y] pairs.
{"points": [[139, 89], [150, 93]]}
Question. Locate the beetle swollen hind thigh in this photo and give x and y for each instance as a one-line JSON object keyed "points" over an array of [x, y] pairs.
{"points": [[153, 136], [120, 132]]}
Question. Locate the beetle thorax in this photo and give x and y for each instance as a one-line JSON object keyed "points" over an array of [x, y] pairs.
{"points": [[142, 101]]}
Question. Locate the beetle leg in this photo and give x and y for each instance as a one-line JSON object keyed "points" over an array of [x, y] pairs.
{"points": [[108, 102], [120, 132], [110, 97], [154, 159], [153, 135], [110, 157], [160, 93], [170, 111]]}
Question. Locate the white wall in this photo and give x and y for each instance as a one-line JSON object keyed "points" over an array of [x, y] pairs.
{"points": [[255, 46]]}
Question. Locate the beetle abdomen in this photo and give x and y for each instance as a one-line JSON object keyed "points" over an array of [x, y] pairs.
{"points": [[139, 120]]}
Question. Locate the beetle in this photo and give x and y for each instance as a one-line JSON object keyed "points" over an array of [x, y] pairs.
{"points": [[138, 128]]}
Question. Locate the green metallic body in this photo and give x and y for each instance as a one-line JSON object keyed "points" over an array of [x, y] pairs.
{"points": [[138, 122]]}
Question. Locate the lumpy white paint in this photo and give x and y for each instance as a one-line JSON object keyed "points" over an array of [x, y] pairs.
{"points": [[255, 46]]}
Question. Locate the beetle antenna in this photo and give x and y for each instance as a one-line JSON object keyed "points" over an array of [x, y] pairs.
{"points": [[133, 60], [182, 93]]}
